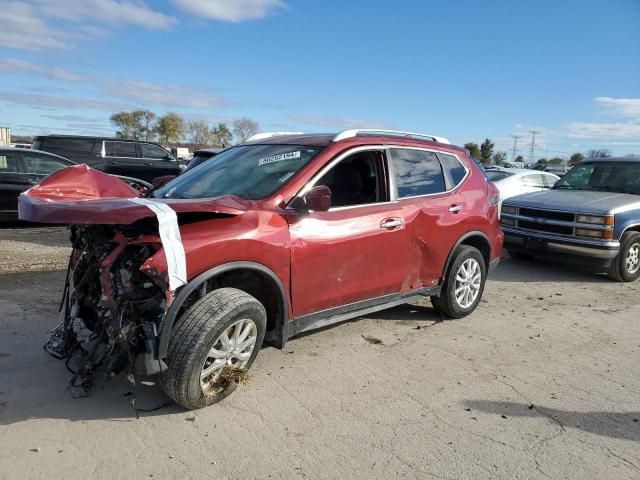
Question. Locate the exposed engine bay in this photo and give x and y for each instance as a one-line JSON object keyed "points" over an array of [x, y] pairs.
{"points": [[111, 311]]}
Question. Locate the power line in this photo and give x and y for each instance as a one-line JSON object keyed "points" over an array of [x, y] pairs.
{"points": [[533, 145], [515, 145]]}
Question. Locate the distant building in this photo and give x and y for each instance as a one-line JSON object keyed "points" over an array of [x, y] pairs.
{"points": [[5, 137]]}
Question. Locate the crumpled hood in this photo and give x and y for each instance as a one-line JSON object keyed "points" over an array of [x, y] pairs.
{"points": [[82, 195], [580, 201]]}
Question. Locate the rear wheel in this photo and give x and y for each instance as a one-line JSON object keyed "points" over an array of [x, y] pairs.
{"points": [[212, 346], [463, 284], [626, 266]]}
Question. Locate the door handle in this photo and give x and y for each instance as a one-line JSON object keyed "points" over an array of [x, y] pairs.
{"points": [[391, 223], [456, 208]]}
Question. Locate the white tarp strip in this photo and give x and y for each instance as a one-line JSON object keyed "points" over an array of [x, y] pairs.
{"points": [[171, 241]]}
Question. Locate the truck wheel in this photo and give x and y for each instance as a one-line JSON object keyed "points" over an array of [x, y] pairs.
{"points": [[212, 344], [626, 266], [463, 285]]}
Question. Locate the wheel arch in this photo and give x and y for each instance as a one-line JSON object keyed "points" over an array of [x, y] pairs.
{"points": [[476, 239], [278, 313]]}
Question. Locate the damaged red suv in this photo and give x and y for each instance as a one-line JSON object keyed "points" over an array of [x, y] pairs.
{"points": [[271, 238]]}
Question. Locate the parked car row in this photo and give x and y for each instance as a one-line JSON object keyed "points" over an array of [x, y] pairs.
{"points": [[131, 158], [21, 168]]}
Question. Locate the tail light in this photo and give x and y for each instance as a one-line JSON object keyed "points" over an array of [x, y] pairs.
{"points": [[493, 193]]}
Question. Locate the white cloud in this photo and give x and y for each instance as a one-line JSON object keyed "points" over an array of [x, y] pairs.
{"points": [[229, 10], [107, 11], [625, 124], [625, 107], [23, 29], [603, 130], [334, 122], [124, 92], [26, 23], [42, 100]]}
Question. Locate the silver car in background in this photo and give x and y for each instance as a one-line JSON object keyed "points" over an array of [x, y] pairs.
{"points": [[516, 181]]}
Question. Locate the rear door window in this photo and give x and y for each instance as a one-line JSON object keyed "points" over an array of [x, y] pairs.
{"points": [[418, 172], [149, 150], [8, 163], [41, 164], [120, 149]]}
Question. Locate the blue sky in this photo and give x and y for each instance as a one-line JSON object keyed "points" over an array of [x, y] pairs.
{"points": [[462, 69]]}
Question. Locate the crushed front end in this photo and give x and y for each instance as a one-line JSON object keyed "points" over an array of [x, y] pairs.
{"points": [[112, 307]]}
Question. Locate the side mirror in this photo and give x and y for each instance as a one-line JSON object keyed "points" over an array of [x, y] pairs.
{"points": [[318, 198]]}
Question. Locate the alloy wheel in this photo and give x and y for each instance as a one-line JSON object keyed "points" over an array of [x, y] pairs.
{"points": [[233, 347], [468, 281]]}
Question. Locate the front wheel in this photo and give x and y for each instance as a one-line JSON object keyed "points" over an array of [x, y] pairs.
{"points": [[626, 266], [212, 345], [463, 285]]}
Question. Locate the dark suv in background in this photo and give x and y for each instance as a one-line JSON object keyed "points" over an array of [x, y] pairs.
{"points": [[132, 158]]}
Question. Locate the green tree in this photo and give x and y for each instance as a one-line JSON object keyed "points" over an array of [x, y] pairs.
{"points": [[519, 159], [486, 151], [170, 128], [474, 150], [198, 132], [123, 123], [500, 158], [145, 123], [222, 136], [137, 124], [555, 161], [575, 159], [243, 128]]}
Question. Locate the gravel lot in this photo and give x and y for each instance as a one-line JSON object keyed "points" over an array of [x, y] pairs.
{"points": [[542, 381]]}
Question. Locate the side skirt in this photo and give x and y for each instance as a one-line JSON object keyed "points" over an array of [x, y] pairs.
{"points": [[335, 315]]}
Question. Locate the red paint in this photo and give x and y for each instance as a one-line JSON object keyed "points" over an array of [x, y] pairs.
{"points": [[323, 259]]}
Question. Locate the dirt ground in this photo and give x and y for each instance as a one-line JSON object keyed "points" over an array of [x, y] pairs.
{"points": [[542, 381]]}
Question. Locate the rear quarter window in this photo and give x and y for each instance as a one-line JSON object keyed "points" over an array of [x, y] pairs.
{"points": [[455, 168]]}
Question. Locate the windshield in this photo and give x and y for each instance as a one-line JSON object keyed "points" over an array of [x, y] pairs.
{"points": [[495, 175], [619, 177], [249, 171], [198, 159]]}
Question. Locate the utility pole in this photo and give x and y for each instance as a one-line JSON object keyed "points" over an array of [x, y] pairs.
{"points": [[515, 146], [533, 145]]}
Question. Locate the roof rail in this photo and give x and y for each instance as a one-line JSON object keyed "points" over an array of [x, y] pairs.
{"points": [[355, 131], [263, 135]]}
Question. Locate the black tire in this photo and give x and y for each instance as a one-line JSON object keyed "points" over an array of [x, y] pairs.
{"points": [[446, 303], [619, 269], [519, 256], [193, 336]]}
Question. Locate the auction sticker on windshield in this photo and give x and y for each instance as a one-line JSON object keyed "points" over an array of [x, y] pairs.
{"points": [[279, 158]]}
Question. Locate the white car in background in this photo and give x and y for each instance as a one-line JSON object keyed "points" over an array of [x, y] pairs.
{"points": [[516, 181]]}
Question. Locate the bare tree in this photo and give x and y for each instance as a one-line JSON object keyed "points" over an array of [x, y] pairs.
{"points": [[599, 153], [244, 128], [198, 132]]}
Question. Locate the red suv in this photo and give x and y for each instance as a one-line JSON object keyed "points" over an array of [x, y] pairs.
{"points": [[277, 236]]}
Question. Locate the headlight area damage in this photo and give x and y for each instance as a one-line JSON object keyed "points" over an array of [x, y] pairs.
{"points": [[127, 262], [111, 308]]}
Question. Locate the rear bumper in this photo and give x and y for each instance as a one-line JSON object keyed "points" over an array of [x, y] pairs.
{"points": [[596, 254]]}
